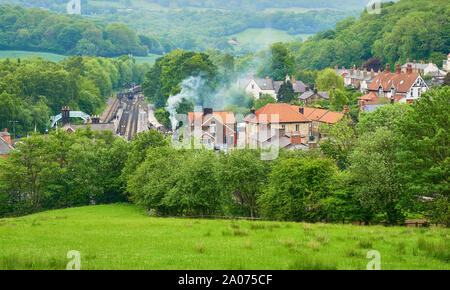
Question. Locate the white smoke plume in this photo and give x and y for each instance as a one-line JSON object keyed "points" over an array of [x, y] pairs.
{"points": [[190, 90]]}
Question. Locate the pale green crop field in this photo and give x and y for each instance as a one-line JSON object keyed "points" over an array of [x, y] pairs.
{"points": [[14, 54], [122, 236], [263, 37]]}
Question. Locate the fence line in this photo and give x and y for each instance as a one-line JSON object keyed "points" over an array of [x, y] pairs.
{"points": [[424, 223]]}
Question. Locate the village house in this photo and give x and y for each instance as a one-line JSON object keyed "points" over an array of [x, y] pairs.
{"points": [[311, 97], [260, 86], [319, 116], [398, 86], [289, 126], [5, 143], [356, 78], [422, 68], [215, 129], [446, 64], [370, 102], [93, 122]]}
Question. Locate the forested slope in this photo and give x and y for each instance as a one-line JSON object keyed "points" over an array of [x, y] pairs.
{"points": [[40, 30], [415, 29]]}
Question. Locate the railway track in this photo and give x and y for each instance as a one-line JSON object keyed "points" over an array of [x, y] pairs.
{"points": [[128, 123], [111, 110]]}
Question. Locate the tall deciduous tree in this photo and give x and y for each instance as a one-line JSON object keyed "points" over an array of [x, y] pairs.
{"points": [[379, 182], [286, 92]]}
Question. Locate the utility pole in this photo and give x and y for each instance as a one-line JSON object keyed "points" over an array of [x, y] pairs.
{"points": [[14, 128], [131, 66]]}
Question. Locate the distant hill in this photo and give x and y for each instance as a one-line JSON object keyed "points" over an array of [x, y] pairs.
{"points": [[414, 29], [40, 30], [89, 7]]}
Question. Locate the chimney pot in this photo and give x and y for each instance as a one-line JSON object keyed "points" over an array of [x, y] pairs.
{"points": [[388, 70]]}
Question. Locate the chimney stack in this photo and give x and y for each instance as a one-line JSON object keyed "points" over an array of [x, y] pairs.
{"points": [[207, 111], [372, 73], [6, 136], [409, 71], [296, 138], [65, 115], [336, 67], [252, 110], [388, 70], [399, 69], [315, 89]]}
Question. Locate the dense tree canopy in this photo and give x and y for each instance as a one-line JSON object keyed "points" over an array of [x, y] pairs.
{"points": [[414, 29], [33, 89], [37, 29]]}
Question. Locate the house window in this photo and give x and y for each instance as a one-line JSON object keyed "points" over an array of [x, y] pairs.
{"points": [[283, 126], [297, 127], [253, 87], [212, 128]]}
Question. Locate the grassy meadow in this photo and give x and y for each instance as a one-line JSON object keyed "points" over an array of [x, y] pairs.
{"points": [[263, 37], [14, 54], [122, 236]]}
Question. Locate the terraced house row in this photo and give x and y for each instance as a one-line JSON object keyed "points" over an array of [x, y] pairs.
{"points": [[282, 125]]}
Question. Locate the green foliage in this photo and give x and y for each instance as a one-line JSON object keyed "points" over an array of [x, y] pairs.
{"points": [[339, 142], [390, 36], [244, 176], [37, 29], [441, 210], [295, 186], [382, 117], [379, 181], [264, 100], [62, 171], [286, 93], [33, 89], [338, 100], [166, 75], [328, 78], [424, 144], [278, 63]]}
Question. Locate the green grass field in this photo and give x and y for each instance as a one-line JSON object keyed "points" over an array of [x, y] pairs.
{"points": [[13, 54], [263, 37], [121, 236], [23, 54]]}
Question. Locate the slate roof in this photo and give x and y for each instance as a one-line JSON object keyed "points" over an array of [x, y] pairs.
{"points": [[94, 127], [308, 94], [371, 107], [5, 147], [264, 84], [299, 86]]}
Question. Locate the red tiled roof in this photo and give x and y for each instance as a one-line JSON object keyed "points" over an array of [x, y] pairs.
{"points": [[331, 117], [284, 112], [402, 82], [370, 96], [226, 117], [291, 114]]}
